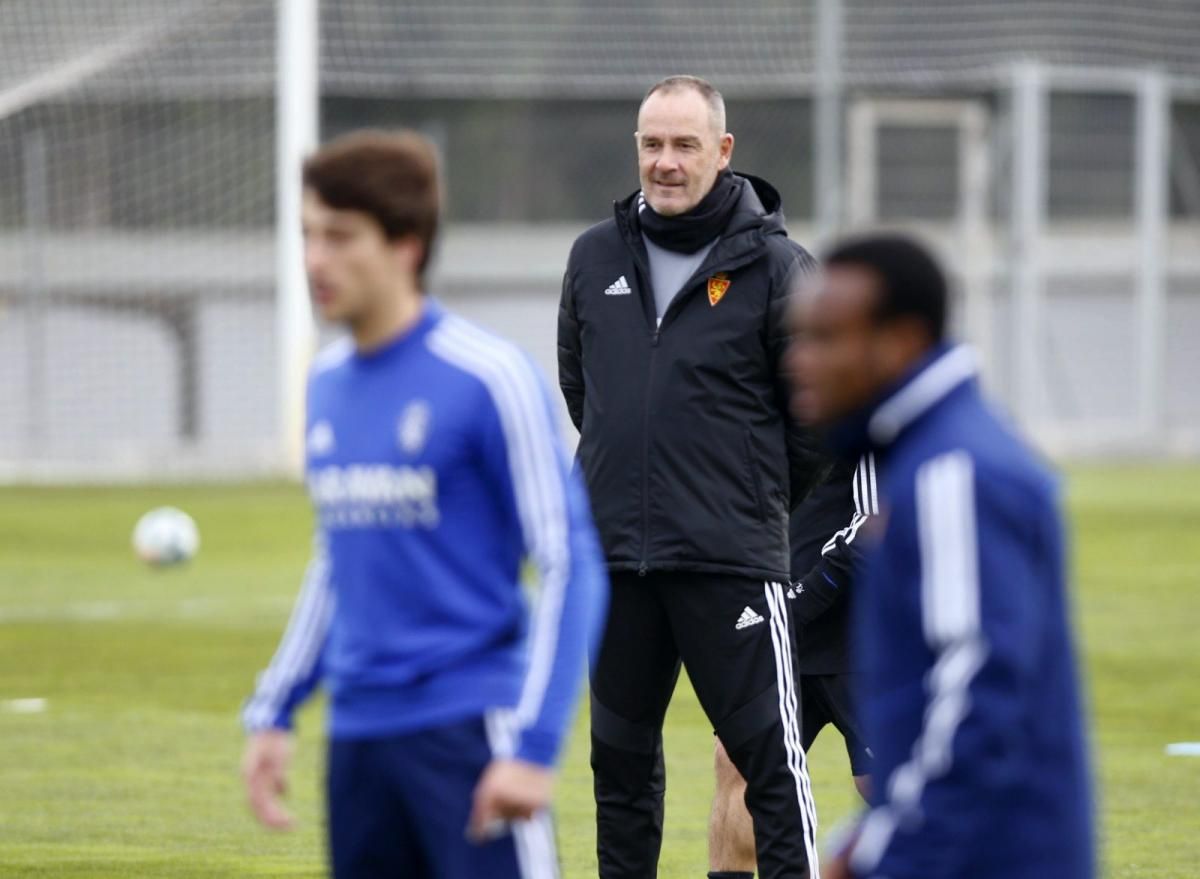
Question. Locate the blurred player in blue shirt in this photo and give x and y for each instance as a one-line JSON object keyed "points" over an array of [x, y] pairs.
{"points": [[436, 472], [968, 684]]}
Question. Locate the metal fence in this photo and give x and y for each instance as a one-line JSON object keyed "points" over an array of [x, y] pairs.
{"points": [[153, 323]]}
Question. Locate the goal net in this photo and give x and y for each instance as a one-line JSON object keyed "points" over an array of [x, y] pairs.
{"points": [[1049, 149], [136, 204]]}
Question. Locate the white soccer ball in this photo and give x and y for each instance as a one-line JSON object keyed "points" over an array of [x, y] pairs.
{"points": [[165, 536]]}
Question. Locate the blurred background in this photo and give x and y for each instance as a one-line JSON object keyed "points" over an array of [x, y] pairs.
{"points": [[151, 327], [155, 330]]}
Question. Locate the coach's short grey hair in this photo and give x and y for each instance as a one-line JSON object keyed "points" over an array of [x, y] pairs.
{"points": [[706, 90]]}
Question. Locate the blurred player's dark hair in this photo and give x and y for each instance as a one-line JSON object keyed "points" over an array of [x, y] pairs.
{"points": [[911, 283], [390, 175]]}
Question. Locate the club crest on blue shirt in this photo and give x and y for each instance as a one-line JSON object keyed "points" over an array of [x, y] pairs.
{"points": [[412, 428], [320, 439]]}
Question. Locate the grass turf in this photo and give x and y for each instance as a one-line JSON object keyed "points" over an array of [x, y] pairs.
{"points": [[132, 768]]}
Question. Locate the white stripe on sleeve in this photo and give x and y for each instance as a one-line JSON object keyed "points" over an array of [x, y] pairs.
{"points": [[536, 468], [300, 647], [949, 556], [537, 855], [950, 615], [869, 461], [866, 502]]}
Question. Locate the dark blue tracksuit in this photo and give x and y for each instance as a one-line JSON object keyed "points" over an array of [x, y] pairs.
{"points": [[969, 686]]}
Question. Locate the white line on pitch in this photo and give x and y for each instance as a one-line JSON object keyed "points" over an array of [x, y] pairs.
{"points": [[1183, 749], [24, 706], [187, 608]]}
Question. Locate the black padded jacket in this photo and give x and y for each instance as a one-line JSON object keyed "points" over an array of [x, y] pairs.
{"points": [[689, 454]]}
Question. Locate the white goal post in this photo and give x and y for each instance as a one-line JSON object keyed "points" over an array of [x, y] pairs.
{"points": [[67, 280], [1011, 267], [969, 247], [297, 102]]}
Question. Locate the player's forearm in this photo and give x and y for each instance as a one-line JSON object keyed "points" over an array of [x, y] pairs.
{"points": [[829, 581], [576, 628], [295, 668], [933, 852], [965, 761], [541, 741], [817, 592]]}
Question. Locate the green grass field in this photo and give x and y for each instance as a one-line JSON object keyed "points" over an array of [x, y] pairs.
{"points": [[131, 769]]}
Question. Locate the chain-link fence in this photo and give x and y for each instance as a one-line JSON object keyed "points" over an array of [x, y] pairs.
{"points": [[1050, 150]]}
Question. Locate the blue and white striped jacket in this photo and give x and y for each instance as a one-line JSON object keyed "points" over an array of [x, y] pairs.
{"points": [[436, 471], [969, 685]]}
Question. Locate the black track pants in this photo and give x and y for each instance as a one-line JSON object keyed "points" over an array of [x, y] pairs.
{"points": [[733, 635]]}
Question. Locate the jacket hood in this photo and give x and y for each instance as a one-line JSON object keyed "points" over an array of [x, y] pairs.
{"points": [[760, 200]]}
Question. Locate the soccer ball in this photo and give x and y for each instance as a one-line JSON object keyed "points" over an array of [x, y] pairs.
{"points": [[165, 536]]}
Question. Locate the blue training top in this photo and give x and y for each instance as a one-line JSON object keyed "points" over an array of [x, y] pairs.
{"points": [[436, 470], [968, 686]]}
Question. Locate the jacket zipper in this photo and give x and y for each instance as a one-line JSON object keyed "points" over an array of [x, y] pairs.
{"points": [[648, 292], [642, 568], [684, 292]]}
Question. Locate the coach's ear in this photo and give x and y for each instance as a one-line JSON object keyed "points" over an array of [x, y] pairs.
{"points": [[726, 151]]}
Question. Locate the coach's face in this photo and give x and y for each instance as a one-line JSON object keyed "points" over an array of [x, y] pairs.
{"points": [[838, 354], [680, 150], [348, 259]]}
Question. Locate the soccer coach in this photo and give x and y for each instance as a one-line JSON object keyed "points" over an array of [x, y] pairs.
{"points": [[671, 339], [968, 682]]}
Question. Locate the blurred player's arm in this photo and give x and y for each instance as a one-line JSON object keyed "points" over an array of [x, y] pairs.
{"points": [[807, 464], [570, 368], [524, 452], [829, 580], [977, 620], [289, 679]]}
